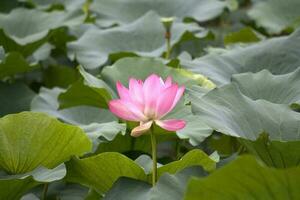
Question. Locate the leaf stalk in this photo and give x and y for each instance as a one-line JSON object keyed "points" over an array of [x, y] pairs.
{"points": [[154, 156]]}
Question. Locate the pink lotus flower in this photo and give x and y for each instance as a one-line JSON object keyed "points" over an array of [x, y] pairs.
{"points": [[148, 102]]}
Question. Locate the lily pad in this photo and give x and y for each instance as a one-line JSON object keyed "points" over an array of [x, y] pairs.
{"points": [[245, 178], [278, 55], [14, 63], [168, 187], [280, 89], [140, 68], [274, 153], [59, 76], [245, 35], [275, 15], [230, 112], [196, 131], [14, 186], [28, 138], [101, 171], [246, 108], [94, 121], [130, 10], [194, 157], [31, 32], [144, 37], [236, 109], [88, 90]]}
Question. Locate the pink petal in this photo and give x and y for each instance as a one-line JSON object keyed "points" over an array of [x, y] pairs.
{"points": [[179, 94], [171, 124], [131, 104], [122, 91], [152, 88], [162, 83], [121, 110], [139, 130], [136, 91], [165, 101], [135, 109], [168, 81]]}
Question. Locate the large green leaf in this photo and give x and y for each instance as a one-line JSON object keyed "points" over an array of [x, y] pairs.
{"points": [[225, 145], [244, 117], [42, 53], [45, 175], [94, 121], [65, 191], [280, 89], [59, 76], [245, 35], [196, 131], [15, 98], [276, 15], [132, 146], [88, 90], [126, 188], [278, 55], [145, 161], [14, 63], [194, 157], [130, 10], [251, 106], [12, 189], [144, 37], [29, 140], [140, 68], [246, 179], [126, 143], [168, 187], [31, 32], [14, 186], [101, 171], [40, 24], [274, 153]]}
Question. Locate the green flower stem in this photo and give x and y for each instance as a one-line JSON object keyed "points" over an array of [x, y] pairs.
{"points": [[168, 40], [167, 23], [45, 190], [154, 156]]}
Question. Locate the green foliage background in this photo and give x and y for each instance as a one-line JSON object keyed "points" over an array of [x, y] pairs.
{"points": [[239, 61]]}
